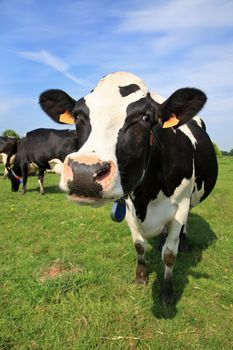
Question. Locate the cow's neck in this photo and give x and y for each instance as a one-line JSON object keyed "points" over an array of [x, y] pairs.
{"points": [[153, 179], [170, 162]]}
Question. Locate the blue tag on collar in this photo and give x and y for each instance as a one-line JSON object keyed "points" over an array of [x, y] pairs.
{"points": [[118, 210]]}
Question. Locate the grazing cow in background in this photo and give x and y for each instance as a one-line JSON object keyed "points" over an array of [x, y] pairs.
{"points": [[152, 154], [39, 147], [8, 148], [9, 145]]}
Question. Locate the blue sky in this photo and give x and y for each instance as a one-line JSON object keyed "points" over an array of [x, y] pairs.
{"points": [[71, 44]]}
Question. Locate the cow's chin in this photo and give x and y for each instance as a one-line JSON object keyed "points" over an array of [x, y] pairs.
{"points": [[89, 201]]}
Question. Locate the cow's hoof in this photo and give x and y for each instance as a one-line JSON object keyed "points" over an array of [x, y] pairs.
{"points": [[141, 274], [141, 280]]}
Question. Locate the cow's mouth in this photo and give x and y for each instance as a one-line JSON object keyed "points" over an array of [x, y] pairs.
{"points": [[83, 200]]}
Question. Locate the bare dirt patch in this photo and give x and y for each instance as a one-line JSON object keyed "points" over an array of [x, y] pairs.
{"points": [[58, 269]]}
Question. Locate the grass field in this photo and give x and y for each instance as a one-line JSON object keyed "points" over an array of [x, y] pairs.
{"points": [[66, 276]]}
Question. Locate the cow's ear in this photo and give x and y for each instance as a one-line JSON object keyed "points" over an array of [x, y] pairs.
{"points": [[58, 105], [181, 106]]}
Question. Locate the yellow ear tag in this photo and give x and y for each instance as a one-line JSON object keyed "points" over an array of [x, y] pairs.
{"points": [[173, 121], [66, 118]]}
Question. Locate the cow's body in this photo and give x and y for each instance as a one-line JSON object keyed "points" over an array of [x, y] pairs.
{"points": [[161, 172], [39, 147]]}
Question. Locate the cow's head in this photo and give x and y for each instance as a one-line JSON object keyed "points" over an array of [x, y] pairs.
{"points": [[115, 119], [15, 179]]}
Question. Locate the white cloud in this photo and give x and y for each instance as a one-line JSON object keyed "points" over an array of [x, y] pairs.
{"points": [[46, 58], [179, 14], [177, 24], [54, 62]]}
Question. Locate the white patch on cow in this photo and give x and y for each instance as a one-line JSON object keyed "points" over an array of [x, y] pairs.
{"points": [[198, 121], [171, 211], [41, 186], [197, 194], [32, 168], [3, 158], [136, 230], [185, 129]]}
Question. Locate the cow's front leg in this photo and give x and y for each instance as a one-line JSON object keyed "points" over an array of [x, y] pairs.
{"points": [[25, 177], [141, 268], [140, 245]]}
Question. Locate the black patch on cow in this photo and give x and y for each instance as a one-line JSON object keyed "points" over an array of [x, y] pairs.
{"points": [[82, 119], [139, 248], [128, 89], [133, 142], [206, 167], [81, 108]]}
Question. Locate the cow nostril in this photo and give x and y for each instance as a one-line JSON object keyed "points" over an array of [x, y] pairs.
{"points": [[103, 171]]}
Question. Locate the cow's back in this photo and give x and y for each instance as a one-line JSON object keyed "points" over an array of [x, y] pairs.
{"points": [[42, 145]]}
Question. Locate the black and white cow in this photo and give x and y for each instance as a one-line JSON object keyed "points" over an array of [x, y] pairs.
{"points": [[154, 153], [38, 147]]}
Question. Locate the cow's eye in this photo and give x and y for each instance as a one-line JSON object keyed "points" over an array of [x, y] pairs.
{"points": [[146, 118]]}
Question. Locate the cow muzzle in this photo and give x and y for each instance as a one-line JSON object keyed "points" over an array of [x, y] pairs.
{"points": [[87, 179]]}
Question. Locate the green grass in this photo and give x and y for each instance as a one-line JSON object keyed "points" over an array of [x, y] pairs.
{"points": [[66, 276]]}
